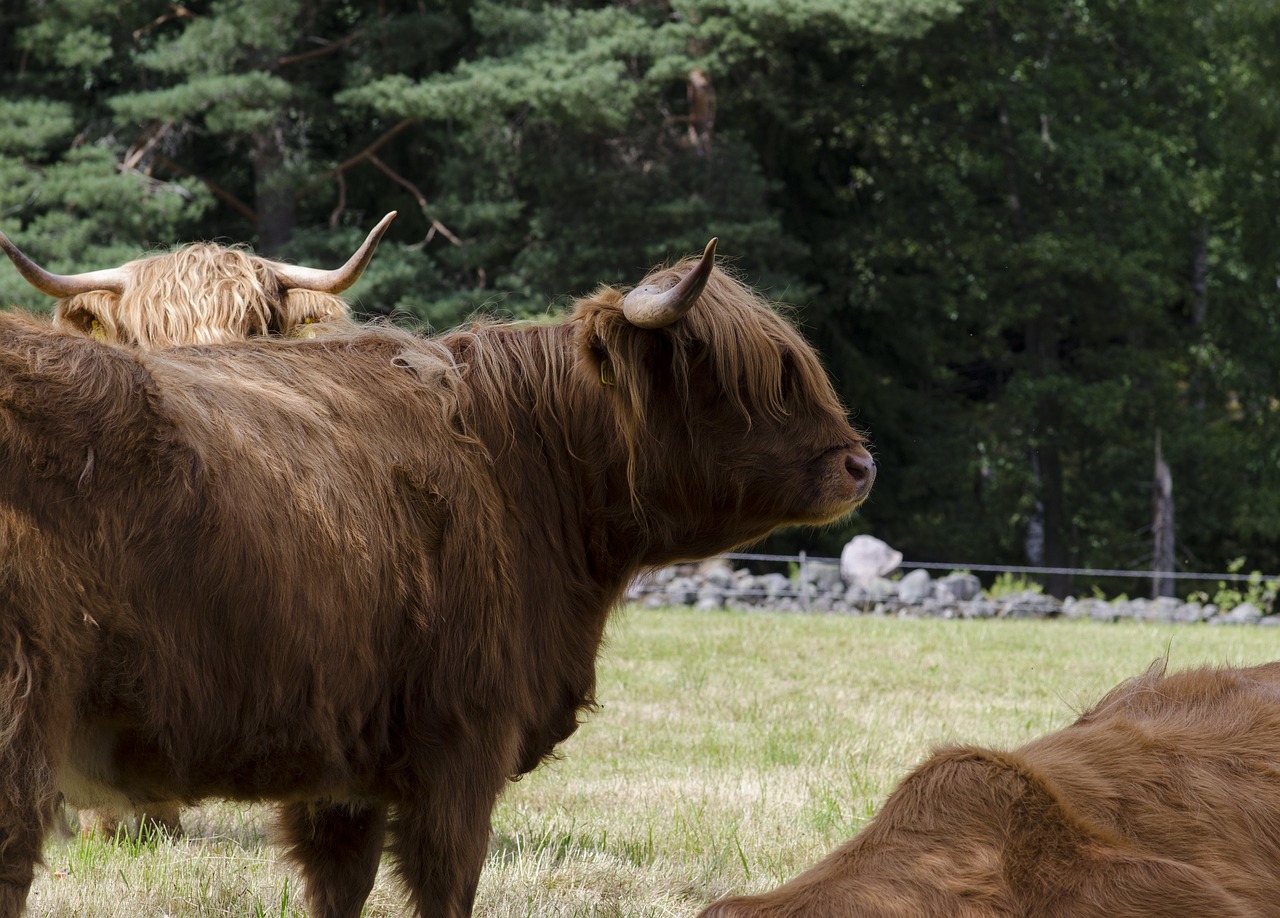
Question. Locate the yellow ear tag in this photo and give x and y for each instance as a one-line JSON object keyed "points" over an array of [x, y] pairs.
{"points": [[97, 332], [607, 377]]}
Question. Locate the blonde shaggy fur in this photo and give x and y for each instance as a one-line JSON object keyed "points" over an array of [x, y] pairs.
{"points": [[200, 294]]}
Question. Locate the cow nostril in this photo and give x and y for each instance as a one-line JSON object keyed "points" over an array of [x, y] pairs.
{"points": [[861, 467]]}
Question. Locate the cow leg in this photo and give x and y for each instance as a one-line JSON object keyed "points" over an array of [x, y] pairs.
{"points": [[35, 718], [160, 818], [21, 838], [337, 847], [440, 837]]}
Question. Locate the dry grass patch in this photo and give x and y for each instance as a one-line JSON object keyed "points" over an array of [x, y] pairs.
{"points": [[732, 750]]}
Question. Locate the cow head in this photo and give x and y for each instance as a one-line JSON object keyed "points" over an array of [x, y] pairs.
{"points": [[730, 423], [200, 294]]}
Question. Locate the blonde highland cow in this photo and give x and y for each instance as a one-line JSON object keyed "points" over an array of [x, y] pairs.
{"points": [[200, 294]]}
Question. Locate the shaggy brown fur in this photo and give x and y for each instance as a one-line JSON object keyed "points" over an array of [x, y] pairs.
{"points": [[1161, 802], [200, 294], [367, 575]]}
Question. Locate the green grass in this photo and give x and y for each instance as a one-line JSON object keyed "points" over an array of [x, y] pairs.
{"points": [[732, 750]]}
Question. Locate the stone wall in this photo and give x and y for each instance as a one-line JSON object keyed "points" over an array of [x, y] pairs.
{"points": [[717, 584]]}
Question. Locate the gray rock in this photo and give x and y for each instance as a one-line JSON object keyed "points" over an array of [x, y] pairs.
{"points": [[772, 587], [1090, 608], [882, 589], [1136, 609], [718, 575], [931, 608], [1165, 610], [1028, 604], [682, 591], [1073, 608], [866, 558], [1244, 614], [709, 600], [915, 588], [978, 608], [823, 577], [960, 586], [876, 590], [1188, 613]]}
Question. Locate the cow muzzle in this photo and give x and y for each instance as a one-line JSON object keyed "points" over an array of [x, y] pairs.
{"points": [[861, 469]]}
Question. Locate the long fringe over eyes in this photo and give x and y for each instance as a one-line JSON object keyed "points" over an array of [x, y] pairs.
{"points": [[200, 294]]}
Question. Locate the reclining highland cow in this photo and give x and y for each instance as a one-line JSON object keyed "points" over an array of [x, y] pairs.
{"points": [[1161, 802], [367, 574], [200, 294]]}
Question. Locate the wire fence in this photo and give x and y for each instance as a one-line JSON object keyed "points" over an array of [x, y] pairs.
{"points": [[803, 559], [808, 583], [811, 581]]}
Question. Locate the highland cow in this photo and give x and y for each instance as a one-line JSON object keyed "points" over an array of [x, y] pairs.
{"points": [[200, 294], [203, 293], [366, 575], [1163, 801]]}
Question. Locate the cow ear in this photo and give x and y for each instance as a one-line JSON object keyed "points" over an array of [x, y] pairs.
{"points": [[79, 317], [601, 365], [1111, 884]]}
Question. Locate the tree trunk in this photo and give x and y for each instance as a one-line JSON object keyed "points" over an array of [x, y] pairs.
{"points": [[274, 197], [1163, 558], [1055, 522], [1200, 277]]}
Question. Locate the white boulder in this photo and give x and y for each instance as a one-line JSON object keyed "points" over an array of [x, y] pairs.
{"points": [[867, 558]]}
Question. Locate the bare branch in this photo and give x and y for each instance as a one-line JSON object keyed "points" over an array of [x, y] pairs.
{"points": [[218, 191], [151, 137], [369, 154], [179, 12], [373, 147], [436, 225], [342, 201], [328, 48]]}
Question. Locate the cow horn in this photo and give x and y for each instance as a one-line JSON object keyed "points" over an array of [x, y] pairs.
{"points": [[338, 280], [649, 307], [111, 280]]}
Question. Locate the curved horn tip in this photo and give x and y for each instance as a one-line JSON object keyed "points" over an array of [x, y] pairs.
{"points": [[339, 279], [649, 307], [61, 286], [375, 234]]}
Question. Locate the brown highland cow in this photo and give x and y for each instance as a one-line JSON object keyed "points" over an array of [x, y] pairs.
{"points": [[200, 294], [366, 575], [1161, 802]]}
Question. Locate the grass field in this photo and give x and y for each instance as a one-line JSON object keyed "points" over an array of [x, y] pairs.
{"points": [[732, 750]]}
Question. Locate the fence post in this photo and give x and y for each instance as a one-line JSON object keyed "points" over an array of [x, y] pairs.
{"points": [[804, 582]]}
